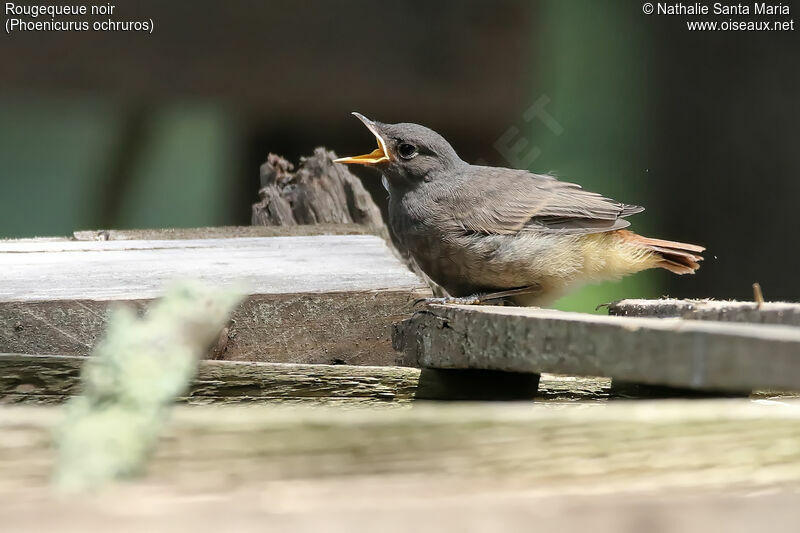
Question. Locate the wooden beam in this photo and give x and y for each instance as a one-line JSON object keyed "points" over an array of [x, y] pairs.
{"points": [[781, 313], [672, 352], [51, 379], [312, 299], [606, 447]]}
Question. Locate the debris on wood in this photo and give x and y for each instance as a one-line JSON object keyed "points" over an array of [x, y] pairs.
{"points": [[758, 297], [779, 313]]}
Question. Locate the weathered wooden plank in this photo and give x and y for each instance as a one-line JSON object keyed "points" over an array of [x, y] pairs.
{"points": [[118, 270], [43, 379], [348, 327], [602, 447], [221, 232], [782, 313], [672, 352], [320, 299]]}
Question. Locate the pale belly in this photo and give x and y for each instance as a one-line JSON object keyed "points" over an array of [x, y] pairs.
{"points": [[466, 265], [554, 264]]}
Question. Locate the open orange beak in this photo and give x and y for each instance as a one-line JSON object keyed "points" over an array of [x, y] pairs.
{"points": [[379, 155]]}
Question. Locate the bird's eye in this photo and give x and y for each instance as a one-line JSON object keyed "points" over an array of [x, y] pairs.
{"points": [[406, 151]]}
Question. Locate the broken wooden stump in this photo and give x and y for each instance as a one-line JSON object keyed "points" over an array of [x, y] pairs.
{"points": [[680, 353], [319, 192], [781, 313], [312, 299]]}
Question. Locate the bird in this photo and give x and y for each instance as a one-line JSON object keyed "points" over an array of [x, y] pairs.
{"points": [[491, 234]]}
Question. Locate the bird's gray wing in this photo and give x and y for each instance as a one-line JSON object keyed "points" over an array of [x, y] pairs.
{"points": [[505, 201]]}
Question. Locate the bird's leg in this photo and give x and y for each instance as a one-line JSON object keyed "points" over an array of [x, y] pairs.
{"points": [[505, 295], [486, 298]]}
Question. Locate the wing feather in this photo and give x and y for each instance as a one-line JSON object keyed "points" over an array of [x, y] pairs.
{"points": [[505, 201]]}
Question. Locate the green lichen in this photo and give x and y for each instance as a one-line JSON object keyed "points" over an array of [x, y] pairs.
{"points": [[130, 382]]}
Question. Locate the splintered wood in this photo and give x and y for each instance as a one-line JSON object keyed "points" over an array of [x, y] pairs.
{"points": [[319, 192]]}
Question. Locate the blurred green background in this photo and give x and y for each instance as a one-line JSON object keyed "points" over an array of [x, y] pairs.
{"points": [[126, 130]]}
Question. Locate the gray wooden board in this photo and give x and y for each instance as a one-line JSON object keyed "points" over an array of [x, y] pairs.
{"points": [[782, 313], [43, 379], [119, 270], [313, 299], [670, 351]]}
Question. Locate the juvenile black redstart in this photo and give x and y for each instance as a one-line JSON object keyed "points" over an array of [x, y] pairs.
{"points": [[487, 233]]}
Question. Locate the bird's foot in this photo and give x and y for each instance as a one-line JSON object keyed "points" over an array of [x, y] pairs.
{"points": [[490, 298]]}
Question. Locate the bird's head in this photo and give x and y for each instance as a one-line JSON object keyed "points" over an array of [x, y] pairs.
{"points": [[407, 153]]}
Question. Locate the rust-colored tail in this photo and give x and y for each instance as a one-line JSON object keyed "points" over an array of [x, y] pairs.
{"points": [[677, 257]]}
